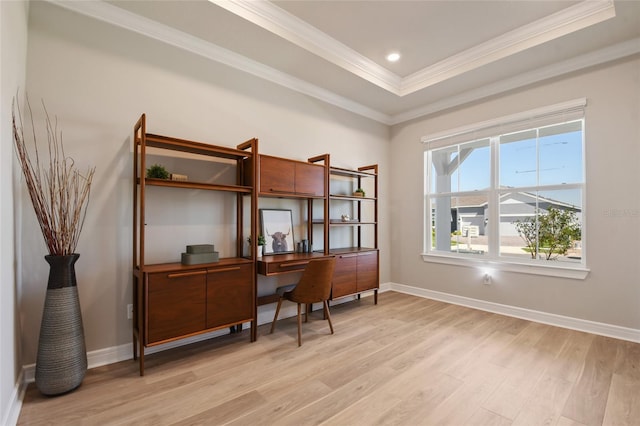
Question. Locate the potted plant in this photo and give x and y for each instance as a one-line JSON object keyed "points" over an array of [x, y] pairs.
{"points": [[261, 243], [157, 171], [359, 193], [59, 193]]}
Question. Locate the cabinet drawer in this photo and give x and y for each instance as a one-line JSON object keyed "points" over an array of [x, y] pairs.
{"points": [[285, 266], [176, 304], [367, 271], [229, 295], [344, 276]]}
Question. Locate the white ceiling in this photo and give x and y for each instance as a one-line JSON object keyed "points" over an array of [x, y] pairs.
{"points": [[453, 51]]}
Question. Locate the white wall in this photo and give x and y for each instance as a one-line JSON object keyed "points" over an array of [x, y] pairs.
{"points": [[98, 79], [611, 292], [13, 48]]}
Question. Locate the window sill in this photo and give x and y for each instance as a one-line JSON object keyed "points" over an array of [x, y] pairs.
{"points": [[577, 272]]}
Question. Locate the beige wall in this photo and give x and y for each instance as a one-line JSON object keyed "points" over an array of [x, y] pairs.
{"points": [[611, 292], [98, 79], [13, 38]]}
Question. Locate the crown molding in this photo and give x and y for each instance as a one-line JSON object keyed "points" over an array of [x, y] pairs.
{"points": [[548, 28], [124, 19], [293, 29], [119, 17], [608, 54], [272, 18]]}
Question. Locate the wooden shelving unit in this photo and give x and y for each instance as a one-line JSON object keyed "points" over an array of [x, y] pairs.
{"points": [[172, 301], [357, 264]]}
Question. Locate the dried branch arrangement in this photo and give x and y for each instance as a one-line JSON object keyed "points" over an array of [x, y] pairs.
{"points": [[58, 191]]}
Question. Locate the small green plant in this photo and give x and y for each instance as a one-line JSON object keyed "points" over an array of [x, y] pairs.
{"points": [[359, 191], [261, 240], [157, 172]]}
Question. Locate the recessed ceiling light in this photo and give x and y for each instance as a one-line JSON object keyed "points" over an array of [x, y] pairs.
{"points": [[393, 57]]}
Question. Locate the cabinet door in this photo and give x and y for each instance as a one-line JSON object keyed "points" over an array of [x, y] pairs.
{"points": [[176, 304], [309, 179], [344, 276], [276, 175], [367, 271], [229, 295]]}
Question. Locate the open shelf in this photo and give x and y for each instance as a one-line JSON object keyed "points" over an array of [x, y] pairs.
{"points": [[197, 185], [191, 147], [350, 198]]}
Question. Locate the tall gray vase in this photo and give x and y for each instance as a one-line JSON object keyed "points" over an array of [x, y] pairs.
{"points": [[62, 357]]}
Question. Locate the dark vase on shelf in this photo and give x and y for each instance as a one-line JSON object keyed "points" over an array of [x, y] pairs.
{"points": [[62, 357]]}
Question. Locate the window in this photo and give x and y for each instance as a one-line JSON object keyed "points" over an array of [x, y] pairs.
{"points": [[509, 190]]}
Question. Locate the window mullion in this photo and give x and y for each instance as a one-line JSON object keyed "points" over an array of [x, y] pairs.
{"points": [[493, 214]]}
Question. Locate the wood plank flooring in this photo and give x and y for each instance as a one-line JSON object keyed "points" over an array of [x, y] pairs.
{"points": [[406, 361]]}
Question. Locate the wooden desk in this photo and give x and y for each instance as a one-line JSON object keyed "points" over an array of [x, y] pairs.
{"points": [[278, 264]]}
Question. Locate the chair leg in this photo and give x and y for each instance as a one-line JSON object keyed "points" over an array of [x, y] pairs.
{"points": [[327, 314], [275, 318], [299, 326]]}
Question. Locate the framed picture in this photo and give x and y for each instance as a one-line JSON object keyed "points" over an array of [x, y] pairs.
{"points": [[277, 228]]}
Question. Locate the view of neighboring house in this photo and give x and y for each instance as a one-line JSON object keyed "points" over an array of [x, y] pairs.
{"points": [[470, 223], [472, 212]]}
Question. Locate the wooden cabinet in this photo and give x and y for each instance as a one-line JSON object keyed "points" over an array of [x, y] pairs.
{"points": [[344, 276], [172, 300], [284, 177], [176, 304], [355, 273], [229, 295], [367, 271]]}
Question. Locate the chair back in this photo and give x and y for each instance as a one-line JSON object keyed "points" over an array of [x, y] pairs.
{"points": [[315, 283]]}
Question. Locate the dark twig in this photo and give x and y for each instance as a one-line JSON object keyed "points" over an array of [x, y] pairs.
{"points": [[59, 192]]}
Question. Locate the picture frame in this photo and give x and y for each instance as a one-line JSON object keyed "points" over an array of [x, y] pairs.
{"points": [[277, 227]]}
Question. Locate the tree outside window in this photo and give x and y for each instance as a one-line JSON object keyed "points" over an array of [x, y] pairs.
{"points": [[549, 234]]}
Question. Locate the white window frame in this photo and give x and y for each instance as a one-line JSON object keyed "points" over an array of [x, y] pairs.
{"points": [[492, 129]]}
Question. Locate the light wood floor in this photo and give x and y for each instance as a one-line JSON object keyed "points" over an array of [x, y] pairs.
{"points": [[406, 361]]}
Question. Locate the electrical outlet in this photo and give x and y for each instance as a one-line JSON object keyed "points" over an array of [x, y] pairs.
{"points": [[129, 311]]}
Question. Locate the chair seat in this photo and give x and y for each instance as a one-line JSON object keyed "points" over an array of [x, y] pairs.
{"points": [[280, 291]]}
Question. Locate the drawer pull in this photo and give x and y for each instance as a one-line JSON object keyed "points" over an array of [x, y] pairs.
{"points": [[186, 274], [346, 256], [292, 264], [212, 271]]}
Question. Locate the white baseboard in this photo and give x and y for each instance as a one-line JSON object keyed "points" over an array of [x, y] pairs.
{"points": [[15, 403], [124, 352], [609, 330]]}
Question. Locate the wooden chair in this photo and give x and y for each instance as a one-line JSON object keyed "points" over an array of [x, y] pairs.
{"points": [[314, 286]]}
